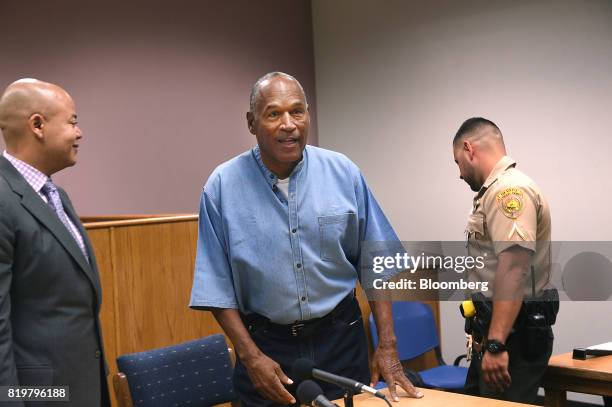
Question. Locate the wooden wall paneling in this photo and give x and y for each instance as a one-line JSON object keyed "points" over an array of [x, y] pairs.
{"points": [[146, 271], [154, 269], [111, 218], [101, 242]]}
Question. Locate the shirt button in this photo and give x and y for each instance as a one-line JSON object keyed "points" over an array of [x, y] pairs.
{"points": [[303, 298], [98, 354], [299, 265], [293, 230], [271, 176]]}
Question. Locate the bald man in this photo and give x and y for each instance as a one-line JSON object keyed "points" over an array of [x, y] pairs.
{"points": [[509, 226], [49, 286]]}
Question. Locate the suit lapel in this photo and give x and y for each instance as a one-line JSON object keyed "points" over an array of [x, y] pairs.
{"points": [[92, 269], [45, 215]]}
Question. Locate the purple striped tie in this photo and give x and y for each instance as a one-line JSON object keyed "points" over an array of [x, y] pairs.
{"points": [[49, 190]]}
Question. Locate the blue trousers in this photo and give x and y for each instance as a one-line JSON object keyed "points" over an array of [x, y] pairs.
{"points": [[339, 346]]}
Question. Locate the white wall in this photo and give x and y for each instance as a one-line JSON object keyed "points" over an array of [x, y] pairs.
{"points": [[395, 79]]}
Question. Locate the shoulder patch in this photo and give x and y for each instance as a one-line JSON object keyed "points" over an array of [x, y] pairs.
{"points": [[511, 202]]}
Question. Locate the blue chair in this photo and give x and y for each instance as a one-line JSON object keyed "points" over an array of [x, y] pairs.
{"points": [[415, 329], [195, 373]]}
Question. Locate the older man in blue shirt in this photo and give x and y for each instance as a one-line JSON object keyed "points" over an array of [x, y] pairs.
{"points": [[280, 237]]}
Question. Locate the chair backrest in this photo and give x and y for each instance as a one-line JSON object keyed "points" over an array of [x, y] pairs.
{"points": [[195, 373], [415, 329]]}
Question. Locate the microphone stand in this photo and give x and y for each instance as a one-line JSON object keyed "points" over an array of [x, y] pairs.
{"points": [[348, 398]]}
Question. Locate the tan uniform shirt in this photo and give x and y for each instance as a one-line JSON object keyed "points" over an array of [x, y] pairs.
{"points": [[509, 210]]}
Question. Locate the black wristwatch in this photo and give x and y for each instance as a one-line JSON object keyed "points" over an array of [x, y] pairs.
{"points": [[494, 346]]}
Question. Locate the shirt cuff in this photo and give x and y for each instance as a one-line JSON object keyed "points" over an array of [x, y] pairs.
{"points": [[207, 305]]}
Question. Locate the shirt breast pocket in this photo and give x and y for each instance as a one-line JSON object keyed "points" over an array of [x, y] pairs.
{"points": [[339, 236], [475, 228], [475, 233]]}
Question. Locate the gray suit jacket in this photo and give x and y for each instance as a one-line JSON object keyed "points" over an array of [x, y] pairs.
{"points": [[50, 297]]}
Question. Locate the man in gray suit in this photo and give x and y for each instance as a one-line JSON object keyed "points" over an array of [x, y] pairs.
{"points": [[49, 286]]}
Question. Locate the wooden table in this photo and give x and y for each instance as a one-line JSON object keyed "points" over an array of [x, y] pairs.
{"points": [[593, 376], [433, 398]]}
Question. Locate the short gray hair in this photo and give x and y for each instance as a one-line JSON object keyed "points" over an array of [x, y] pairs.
{"points": [[257, 88]]}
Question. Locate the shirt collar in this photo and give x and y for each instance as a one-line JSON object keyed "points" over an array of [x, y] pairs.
{"points": [[502, 165], [271, 178], [33, 177]]}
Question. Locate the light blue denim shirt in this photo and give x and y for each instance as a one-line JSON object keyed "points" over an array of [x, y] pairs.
{"points": [[287, 259]]}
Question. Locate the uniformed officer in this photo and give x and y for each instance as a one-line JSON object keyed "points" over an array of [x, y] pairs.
{"points": [[509, 226]]}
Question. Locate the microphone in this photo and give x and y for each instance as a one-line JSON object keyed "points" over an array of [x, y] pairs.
{"points": [[304, 369], [311, 394]]}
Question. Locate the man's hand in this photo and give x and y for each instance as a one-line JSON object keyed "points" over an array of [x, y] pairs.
{"points": [[385, 362], [266, 375], [495, 371], [268, 378]]}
